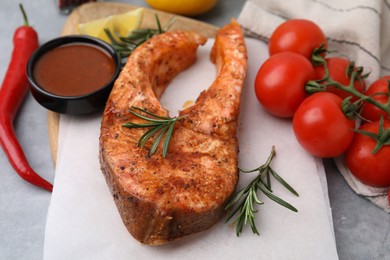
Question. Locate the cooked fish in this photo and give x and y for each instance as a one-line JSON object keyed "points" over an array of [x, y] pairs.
{"points": [[161, 198]]}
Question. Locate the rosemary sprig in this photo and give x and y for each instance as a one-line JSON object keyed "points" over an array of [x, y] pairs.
{"points": [[159, 126], [126, 45], [247, 197]]}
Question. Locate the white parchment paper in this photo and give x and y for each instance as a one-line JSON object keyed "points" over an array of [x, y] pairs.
{"points": [[83, 222]]}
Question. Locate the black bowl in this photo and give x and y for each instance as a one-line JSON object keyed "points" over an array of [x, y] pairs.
{"points": [[75, 105]]}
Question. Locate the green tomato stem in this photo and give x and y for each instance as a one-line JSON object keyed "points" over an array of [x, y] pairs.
{"points": [[313, 86]]}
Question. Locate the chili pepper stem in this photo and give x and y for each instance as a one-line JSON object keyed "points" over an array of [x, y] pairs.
{"points": [[25, 18]]}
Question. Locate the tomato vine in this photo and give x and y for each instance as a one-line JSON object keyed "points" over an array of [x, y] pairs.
{"points": [[354, 73]]}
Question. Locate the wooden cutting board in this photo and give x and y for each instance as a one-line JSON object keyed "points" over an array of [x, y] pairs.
{"points": [[92, 11]]}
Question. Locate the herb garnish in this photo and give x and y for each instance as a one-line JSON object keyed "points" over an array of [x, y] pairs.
{"points": [[158, 125], [247, 197], [127, 44]]}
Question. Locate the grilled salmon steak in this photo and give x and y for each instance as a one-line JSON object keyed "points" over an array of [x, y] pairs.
{"points": [[161, 198]]}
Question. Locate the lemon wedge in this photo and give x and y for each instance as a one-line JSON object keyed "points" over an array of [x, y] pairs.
{"points": [[125, 23], [119, 24], [96, 28]]}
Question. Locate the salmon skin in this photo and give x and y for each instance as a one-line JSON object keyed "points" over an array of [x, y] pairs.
{"points": [[162, 199]]}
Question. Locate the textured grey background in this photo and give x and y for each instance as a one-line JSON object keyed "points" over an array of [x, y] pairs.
{"points": [[362, 230]]}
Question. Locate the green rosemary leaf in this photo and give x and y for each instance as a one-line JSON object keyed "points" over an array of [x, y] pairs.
{"points": [[122, 49], [125, 53], [240, 225], [256, 199], [232, 213], [265, 179], [154, 120], [253, 226], [248, 207], [158, 139], [247, 197], [241, 214], [162, 126], [148, 134], [235, 210], [276, 198], [158, 24], [150, 113], [141, 31], [126, 45], [114, 42], [129, 42], [269, 179], [247, 171], [283, 182], [168, 138], [236, 198], [135, 125], [131, 39]]}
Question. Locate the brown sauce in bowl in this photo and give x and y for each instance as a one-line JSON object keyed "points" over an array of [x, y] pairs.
{"points": [[74, 70]]}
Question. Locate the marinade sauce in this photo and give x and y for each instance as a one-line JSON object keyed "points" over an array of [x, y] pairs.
{"points": [[74, 70]]}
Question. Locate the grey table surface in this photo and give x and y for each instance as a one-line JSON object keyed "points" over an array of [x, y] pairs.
{"points": [[362, 230]]}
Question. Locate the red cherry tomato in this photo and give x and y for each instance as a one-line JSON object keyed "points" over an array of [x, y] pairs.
{"points": [[321, 127], [371, 112], [371, 169], [337, 67], [297, 35], [280, 82]]}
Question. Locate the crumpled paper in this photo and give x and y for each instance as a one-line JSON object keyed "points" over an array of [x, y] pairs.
{"points": [[358, 29], [83, 222]]}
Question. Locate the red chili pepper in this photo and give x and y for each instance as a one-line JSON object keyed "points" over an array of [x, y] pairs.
{"points": [[13, 90]]}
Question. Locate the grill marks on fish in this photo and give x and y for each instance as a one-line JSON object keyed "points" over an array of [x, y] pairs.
{"points": [[161, 199]]}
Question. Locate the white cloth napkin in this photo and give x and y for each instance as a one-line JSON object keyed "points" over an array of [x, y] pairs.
{"points": [[359, 29], [83, 222]]}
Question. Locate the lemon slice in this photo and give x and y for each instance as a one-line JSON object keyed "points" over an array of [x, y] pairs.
{"points": [[96, 28], [121, 24], [125, 23]]}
